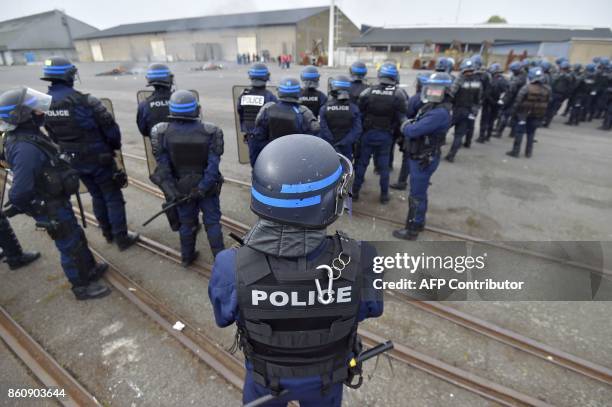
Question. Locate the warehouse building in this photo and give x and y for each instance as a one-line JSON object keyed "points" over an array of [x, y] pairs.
{"points": [[36, 37], [579, 44], [296, 32]]}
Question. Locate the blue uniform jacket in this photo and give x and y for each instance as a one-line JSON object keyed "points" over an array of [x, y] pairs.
{"points": [[211, 173], [413, 106], [26, 162], [437, 120], [268, 97], [110, 135], [351, 137]]}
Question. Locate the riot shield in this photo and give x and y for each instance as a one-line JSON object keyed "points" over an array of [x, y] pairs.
{"points": [[243, 148], [141, 96], [3, 181]]}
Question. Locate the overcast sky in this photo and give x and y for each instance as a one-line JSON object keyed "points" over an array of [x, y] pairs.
{"points": [[388, 12]]}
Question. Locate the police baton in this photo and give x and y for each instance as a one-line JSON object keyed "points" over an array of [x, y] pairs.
{"points": [[362, 357], [166, 209], [80, 203]]}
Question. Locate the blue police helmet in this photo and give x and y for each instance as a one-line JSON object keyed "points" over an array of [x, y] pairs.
{"points": [[605, 61], [340, 86], [300, 180], [420, 81], [358, 70], [159, 75], [495, 68], [59, 69], [184, 106], [515, 66], [559, 60], [17, 106], [467, 65], [435, 87], [564, 65], [596, 60], [289, 89], [441, 64], [536, 74], [545, 65], [577, 67], [388, 74], [477, 60], [310, 76], [259, 74], [590, 68]]}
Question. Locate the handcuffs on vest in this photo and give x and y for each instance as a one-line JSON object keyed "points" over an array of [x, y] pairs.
{"points": [[327, 297]]}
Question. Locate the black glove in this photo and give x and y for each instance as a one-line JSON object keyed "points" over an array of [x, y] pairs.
{"points": [[11, 210], [197, 193], [170, 191]]}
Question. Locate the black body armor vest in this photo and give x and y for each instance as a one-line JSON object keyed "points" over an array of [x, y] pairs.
{"points": [[312, 99], [251, 102], [158, 104], [61, 120], [339, 118], [283, 329], [188, 153], [356, 89], [380, 113], [282, 121], [467, 96]]}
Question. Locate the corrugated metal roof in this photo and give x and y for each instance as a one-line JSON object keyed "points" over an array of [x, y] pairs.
{"points": [[475, 35], [25, 32], [263, 18]]}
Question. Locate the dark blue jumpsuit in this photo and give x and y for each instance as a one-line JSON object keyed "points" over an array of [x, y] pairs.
{"points": [[377, 141], [209, 206], [107, 198], [433, 124], [26, 162], [224, 298], [345, 144], [412, 108]]}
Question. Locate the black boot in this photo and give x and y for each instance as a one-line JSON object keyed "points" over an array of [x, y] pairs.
{"points": [[26, 258], [406, 234], [512, 153], [411, 230], [384, 199], [188, 260], [107, 233], [90, 291], [126, 240], [98, 271], [400, 186], [355, 195]]}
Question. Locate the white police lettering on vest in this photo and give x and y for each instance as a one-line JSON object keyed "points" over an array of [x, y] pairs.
{"points": [[338, 107], [252, 100], [159, 103], [309, 98], [294, 299], [383, 92], [58, 113]]}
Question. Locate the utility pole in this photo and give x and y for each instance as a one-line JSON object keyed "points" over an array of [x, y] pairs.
{"points": [[330, 43], [458, 11]]}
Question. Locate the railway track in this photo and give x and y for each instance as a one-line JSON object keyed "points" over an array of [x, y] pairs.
{"points": [[231, 368], [434, 229], [42, 365], [498, 333]]}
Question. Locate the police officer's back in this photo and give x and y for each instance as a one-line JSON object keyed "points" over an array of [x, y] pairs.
{"points": [[154, 109], [340, 118], [294, 335], [358, 71], [43, 182], [88, 133], [286, 116], [311, 96], [189, 153], [251, 101], [491, 101], [383, 108]]}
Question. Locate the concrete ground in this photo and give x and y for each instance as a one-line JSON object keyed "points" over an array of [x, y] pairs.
{"points": [[562, 193]]}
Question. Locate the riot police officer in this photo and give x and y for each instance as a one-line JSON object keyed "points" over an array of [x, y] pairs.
{"points": [[383, 107], [576, 75], [251, 101], [561, 88], [154, 109], [424, 136], [583, 96], [491, 101], [311, 97], [466, 93], [340, 118], [12, 253], [358, 71], [530, 108], [286, 116], [189, 152], [517, 80], [295, 335], [43, 182], [88, 133]]}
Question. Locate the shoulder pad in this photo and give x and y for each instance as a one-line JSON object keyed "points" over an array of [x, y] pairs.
{"points": [[303, 109], [159, 129], [91, 100], [216, 141]]}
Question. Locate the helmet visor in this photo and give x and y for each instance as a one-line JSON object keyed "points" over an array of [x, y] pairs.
{"points": [[37, 101], [432, 93]]}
